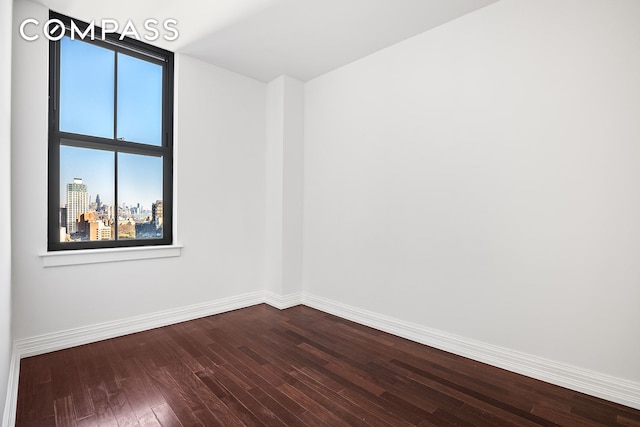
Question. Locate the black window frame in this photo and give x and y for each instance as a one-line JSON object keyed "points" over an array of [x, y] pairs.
{"points": [[57, 138]]}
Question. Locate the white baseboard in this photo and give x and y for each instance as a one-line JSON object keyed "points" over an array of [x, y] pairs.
{"points": [[87, 334], [589, 382], [9, 417], [282, 302]]}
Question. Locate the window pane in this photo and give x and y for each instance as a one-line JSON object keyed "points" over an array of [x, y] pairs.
{"points": [[139, 100], [139, 197], [86, 194], [86, 88]]}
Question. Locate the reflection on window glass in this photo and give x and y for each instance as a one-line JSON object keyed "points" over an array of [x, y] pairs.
{"points": [[86, 192], [139, 100], [86, 88], [140, 204]]}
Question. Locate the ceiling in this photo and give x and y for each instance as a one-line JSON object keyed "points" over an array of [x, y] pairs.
{"points": [[264, 39]]}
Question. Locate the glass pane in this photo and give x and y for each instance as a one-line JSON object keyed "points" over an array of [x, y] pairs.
{"points": [[139, 100], [86, 194], [86, 88], [139, 197]]}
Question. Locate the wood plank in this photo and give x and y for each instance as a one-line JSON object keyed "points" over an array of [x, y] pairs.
{"points": [[82, 403], [166, 416], [65, 415], [103, 414], [247, 410], [355, 414], [35, 400], [175, 398]]}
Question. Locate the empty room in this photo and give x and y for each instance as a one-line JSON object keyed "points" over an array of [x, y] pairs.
{"points": [[320, 213]]}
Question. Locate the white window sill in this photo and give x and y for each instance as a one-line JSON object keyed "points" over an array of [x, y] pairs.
{"points": [[94, 256]]}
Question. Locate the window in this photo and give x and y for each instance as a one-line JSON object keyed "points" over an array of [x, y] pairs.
{"points": [[110, 141]]}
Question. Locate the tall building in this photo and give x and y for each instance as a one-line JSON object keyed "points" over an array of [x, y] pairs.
{"points": [[77, 203], [156, 212]]}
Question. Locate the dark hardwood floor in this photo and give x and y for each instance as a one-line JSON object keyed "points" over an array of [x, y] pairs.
{"points": [[296, 367]]}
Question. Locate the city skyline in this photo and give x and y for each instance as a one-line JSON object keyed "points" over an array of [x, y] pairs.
{"points": [[85, 218]]}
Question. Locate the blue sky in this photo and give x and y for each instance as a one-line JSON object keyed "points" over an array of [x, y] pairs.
{"points": [[87, 84]]}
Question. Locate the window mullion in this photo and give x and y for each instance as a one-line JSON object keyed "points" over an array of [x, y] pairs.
{"points": [[54, 145], [115, 195], [115, 140]]}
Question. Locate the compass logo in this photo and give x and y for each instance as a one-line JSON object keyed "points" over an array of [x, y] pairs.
{"points": [[54, 30]]}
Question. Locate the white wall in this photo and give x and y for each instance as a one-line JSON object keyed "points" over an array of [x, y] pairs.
{"points": [[220, 167], [5, 198], [284, 176], [273, 182], [292, 184], [482, 179]]}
